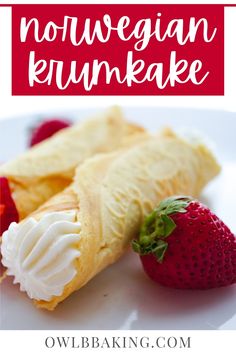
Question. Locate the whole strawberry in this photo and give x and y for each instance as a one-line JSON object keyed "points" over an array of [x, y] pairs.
{"points": [[182, 244], [46, 129]]}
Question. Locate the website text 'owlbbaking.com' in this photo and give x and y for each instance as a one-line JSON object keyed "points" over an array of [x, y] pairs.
{"points": [[111, 342]]}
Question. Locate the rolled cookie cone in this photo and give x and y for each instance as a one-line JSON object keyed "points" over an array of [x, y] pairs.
{"points": [[88, 226]]}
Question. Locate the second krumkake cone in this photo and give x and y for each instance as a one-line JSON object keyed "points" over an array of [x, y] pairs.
{"points": [[49, 167]]}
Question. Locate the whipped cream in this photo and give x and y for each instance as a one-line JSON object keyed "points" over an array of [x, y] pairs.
{"points": [[41, 254]]}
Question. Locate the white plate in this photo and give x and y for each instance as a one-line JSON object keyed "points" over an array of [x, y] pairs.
{"points": [[122, 297]]}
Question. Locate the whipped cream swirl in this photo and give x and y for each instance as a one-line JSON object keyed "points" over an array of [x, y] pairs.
{"points": [[41, 254]]}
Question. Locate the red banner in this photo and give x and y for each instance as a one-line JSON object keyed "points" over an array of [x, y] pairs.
{"points": [[118, 50]]}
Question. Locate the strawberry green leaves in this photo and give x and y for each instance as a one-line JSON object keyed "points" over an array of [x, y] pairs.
{"points": [[158, 225]]}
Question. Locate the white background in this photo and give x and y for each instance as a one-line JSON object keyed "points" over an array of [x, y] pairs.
{"points": [[202, 342], [25, 342], [11, 106]]}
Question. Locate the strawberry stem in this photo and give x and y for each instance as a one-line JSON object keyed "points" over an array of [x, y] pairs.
{"points": [[158, 225]]}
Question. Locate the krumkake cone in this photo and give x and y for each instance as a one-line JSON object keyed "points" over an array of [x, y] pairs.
{"points": [[112, 193]]}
